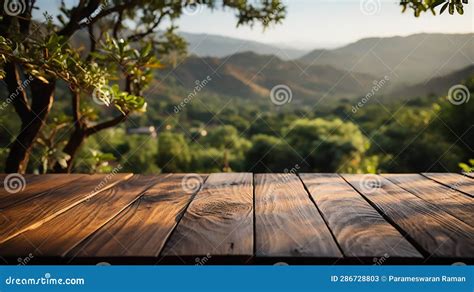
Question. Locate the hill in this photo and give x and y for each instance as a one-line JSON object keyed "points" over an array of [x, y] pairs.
{"points": [[412, 59], [438, 86], [208, 45], [249, 76]]}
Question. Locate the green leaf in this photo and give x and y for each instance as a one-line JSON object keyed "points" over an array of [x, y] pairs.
{"points": [[443, 8], [451, 8], [460, 9]]}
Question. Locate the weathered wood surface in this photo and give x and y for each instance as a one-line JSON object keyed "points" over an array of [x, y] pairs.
{"points": [[220, 218], [359, 229], [62, 233], [455, 203], [287, 222], [435, 231], [32, 186], [454, 180], [239, 218], [144, 227], [32, 213]]}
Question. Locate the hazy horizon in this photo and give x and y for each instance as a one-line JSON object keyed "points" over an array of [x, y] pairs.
{"points": [[319, 23], [329, 46]]}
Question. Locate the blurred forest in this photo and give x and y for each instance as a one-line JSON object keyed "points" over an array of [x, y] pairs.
{"points": [[136, 101], [423, 135]]}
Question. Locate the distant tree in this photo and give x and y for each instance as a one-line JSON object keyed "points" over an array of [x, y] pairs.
{"points": [[270, 154], [173, 152], [327, 145], [414, 142], [115, 69]]}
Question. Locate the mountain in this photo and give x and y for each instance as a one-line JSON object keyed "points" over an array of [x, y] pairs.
{"points": [[208, 45], [408, 60], [252, 76], [438, 86]]}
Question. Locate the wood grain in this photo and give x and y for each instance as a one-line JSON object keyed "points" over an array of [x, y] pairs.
{"points": [[143, 228], [453, 180], [359, 229], [38, 210], [287, 222], [58, 236], [35, 185], [437, 232], [455, 203], [469, 174], [219, 220]]}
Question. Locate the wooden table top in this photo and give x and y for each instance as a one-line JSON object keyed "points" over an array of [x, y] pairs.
{"points": [[237, 218]]}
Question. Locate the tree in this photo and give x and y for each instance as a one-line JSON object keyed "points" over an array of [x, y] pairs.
{"points": [[114, 70], [270, 154], [327, 145], [173, 152]]}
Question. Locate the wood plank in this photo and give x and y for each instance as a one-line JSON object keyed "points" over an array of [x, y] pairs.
{"points": [[35, 185], [143, 228], [453, 180], [33, 213], [455, 203], [359, 229], [437, 232], [28, 179], [469, 174], [287, 222], [60, 235], [219, 220]]}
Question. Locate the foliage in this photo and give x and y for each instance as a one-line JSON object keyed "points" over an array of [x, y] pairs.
{"points": [[173, 152], [467, 167], [114, 70], [327, 145], [420, 6]]}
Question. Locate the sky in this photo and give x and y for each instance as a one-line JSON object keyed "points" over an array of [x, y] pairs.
{"points": [[325, 23]]}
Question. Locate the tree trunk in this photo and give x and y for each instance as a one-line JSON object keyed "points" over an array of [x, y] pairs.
{"points": [[31, 124], [74, 143]]}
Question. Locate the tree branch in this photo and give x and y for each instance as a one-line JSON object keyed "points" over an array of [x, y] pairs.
{"points": [[16, 90], [76, 108], [150, 30], [108, 124], [117, 25], [78, 13]]}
